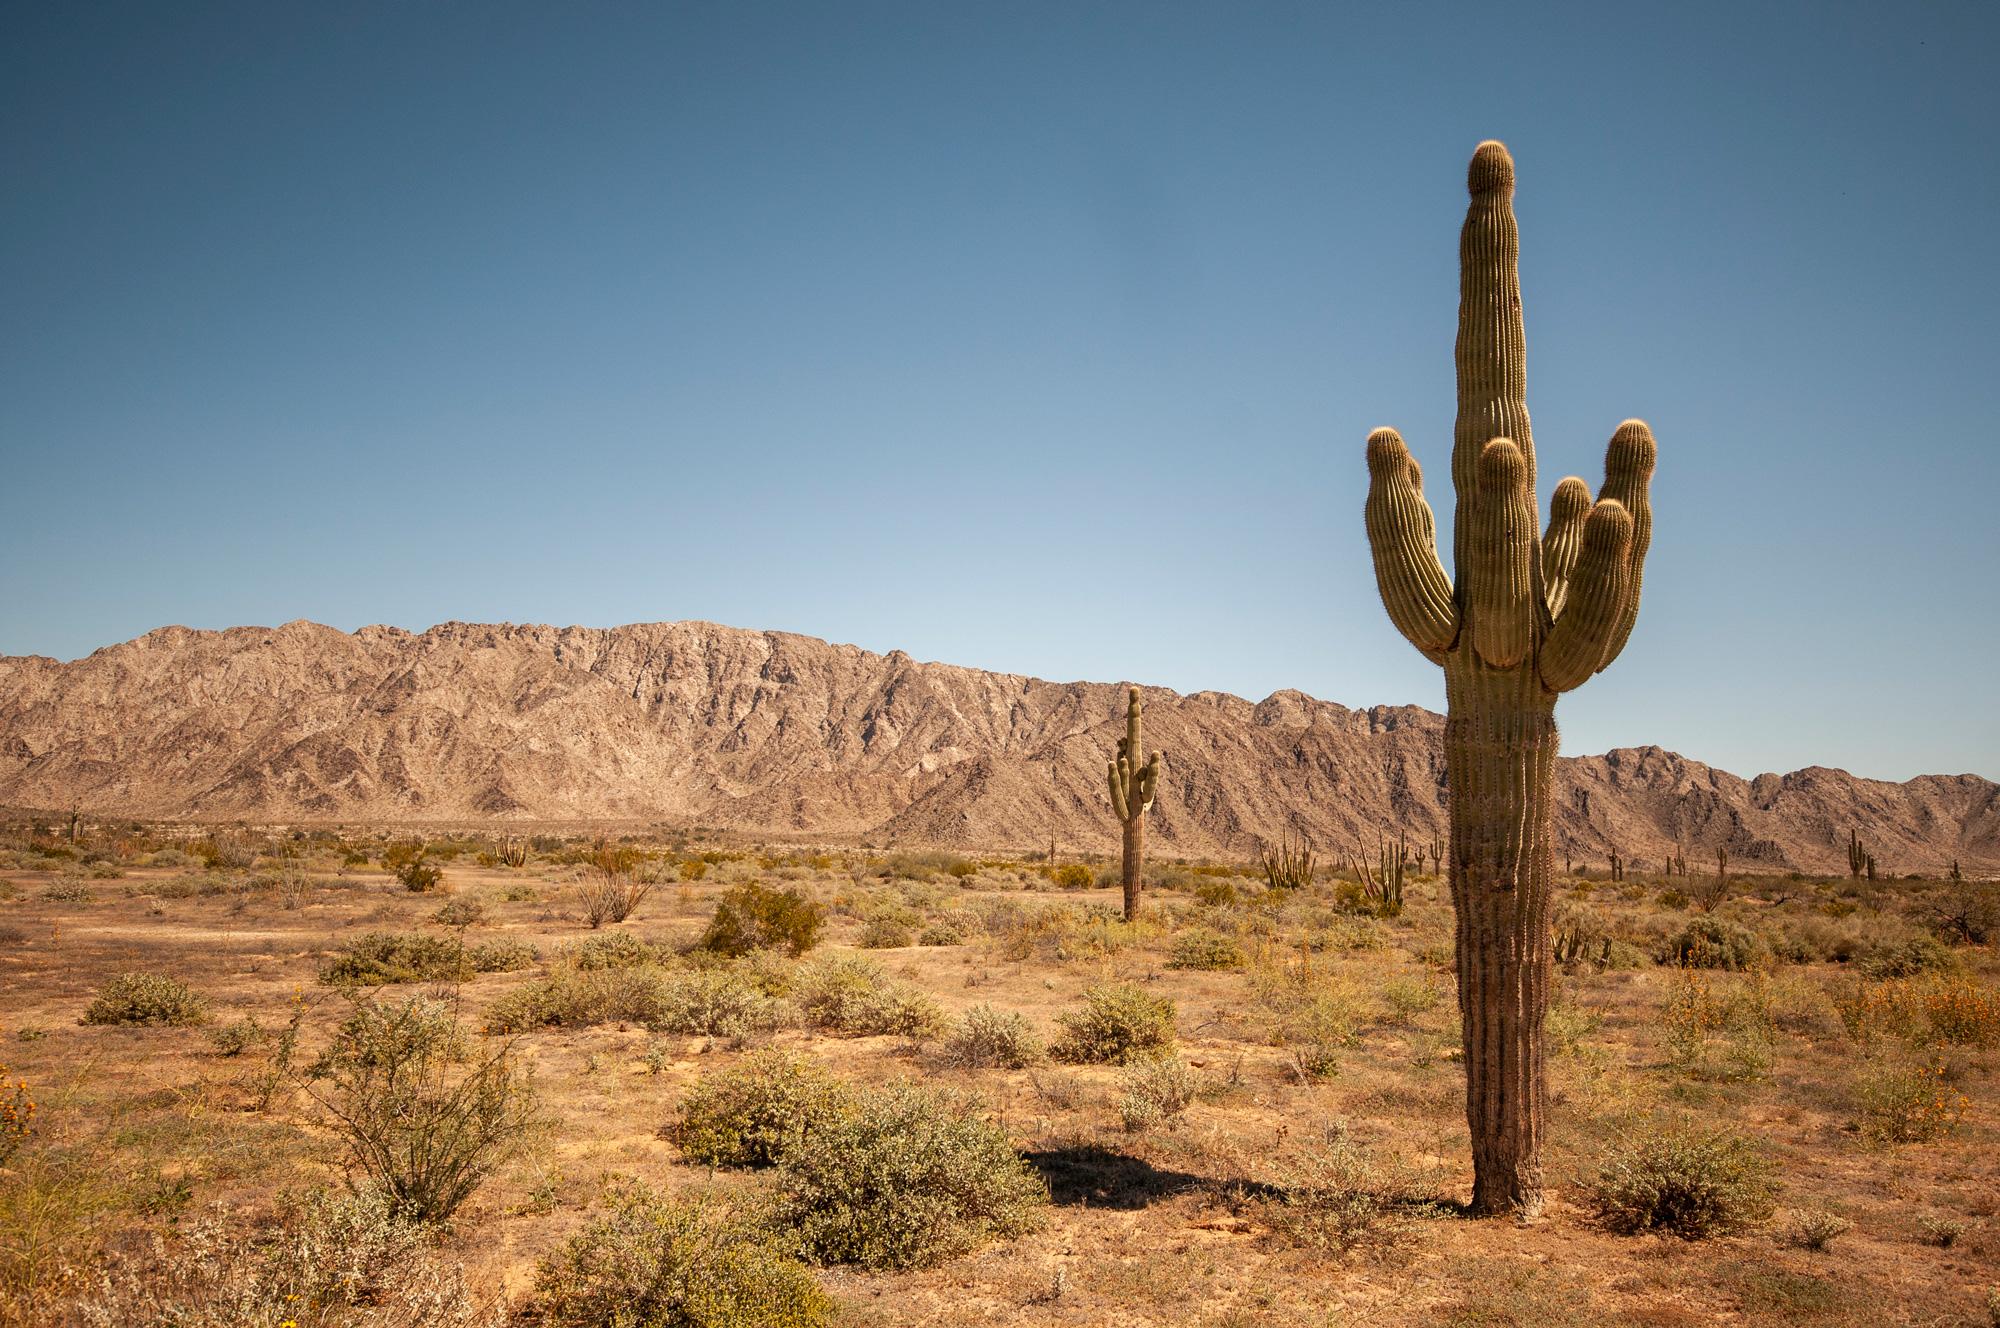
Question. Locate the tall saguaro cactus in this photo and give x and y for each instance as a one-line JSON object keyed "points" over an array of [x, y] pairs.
{"points": [[1526, 618], [1132, 789]]}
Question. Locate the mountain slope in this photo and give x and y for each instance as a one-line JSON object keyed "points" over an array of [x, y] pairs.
{"points": [[694, 723]]}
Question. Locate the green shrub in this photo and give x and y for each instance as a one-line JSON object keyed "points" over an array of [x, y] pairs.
{"points": [[1214, 893], [612, 949], [1074, 876], [851, 995], [990, 1037], [751, 916], [1913, 958], [146, 998], [1709, 942], [950, 930], [757, 1111], [424, 1129], [1206, 949], [237, 1038], [657, 1261], [714, 1003], [1117, 1024], [500, 956], [887, 931], [420, 876], [1685, 1183], [908, 1179], [381, 957], [577, 997]]}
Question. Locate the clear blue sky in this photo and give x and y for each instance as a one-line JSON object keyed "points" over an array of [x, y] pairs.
{"points": [[1035, 337]]}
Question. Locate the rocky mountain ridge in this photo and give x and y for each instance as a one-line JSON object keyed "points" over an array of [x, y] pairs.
{"points": [[693, 723]]}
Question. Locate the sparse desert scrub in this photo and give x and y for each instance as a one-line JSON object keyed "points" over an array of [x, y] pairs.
{"points": [[1900, 1102], [1710, 942], [1683, 1182], [752, 916], [570, 997], [1332, 1197], [910, 1178], [1206, 949], [1117, 1024], [1812, 1229], [758, 1111], [661, 1261], [715, 1003], [851, 995], [1155, 1092], [608, 891], [146, 998], [382, 958]]}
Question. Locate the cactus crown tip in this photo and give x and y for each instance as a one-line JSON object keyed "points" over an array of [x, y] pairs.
{"points": [[1492, 169], [1501, 462]]}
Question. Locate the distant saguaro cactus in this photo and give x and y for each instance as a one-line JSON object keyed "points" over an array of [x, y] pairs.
{"points": [[1525, 619], [1132, 789]]}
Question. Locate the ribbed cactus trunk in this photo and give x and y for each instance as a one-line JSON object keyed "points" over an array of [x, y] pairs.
{"points": [[1526, 618], [1132, 789]]}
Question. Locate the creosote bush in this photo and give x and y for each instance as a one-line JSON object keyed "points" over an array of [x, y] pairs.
{"points": [[659, 1261], [1117, 1024], [1709, 942], [908, 1179], [1684, 1183], [146, 998], [752, 916], [379, 958], [758, 1111]]}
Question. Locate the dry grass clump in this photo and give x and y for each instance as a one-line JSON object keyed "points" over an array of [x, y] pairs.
{"points": [[1812, 1229], [660, 1261], [759, 1111], [752, 916], [333, 1261], [1157, 1092], [910, 1178], [1332, 1197], [146, 998], [1118, 1023], [1682, 1182], [987, 1037]]}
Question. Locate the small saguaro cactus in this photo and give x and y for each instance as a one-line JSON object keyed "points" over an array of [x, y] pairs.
{"points": [[1526, 617], [1857, 853], [1132, 789]]}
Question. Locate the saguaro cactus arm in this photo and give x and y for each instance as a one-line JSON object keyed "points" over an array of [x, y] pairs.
{"points": [[1403, 535]]}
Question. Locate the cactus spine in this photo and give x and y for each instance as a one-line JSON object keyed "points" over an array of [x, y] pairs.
{"points": [[1132, 789], [1524, 619]]}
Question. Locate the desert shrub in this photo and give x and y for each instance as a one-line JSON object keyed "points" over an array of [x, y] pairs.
{"points": [[1214, 893], [1156, 1092], [420, 1123], [990, 1037], [888, 931], [908, 1179], [1912, 958], [713, 1003], [612, 949], [1709, 942], [146, 998], [1332, 1197], [1074, 876], [1900, 1104], [759, 1110], [568, 997], [949, 930], [1961, 1012], [851, 995], [1939, 1230], [1716, 1035], [1812, 1228], [17, 1116], [692, 869], [1408, 996], [609, 892], [1682, 1182], [961, 868], [68, 892], [660, 1261], [1951, 1010], [331, 1261], [507, 956], [419, 875], [464, 911], [752, 916], [1117, 1024], [381, 957], [236, 1038], [1206, 949]]}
